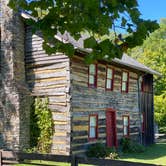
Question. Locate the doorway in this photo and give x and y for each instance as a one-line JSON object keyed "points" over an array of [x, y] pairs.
{"points": [[111, 128]]}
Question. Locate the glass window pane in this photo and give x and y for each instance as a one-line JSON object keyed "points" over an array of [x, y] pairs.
{"points": [[92, 69], [92, 121], [125, 121], [123, 86], [108, 85], [92, 132], [91, 80], [141, 118], [140, 83], [124, 77], [140, 79], [125, 131], [109, 73]]}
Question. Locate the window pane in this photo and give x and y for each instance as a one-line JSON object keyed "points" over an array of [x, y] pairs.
{"points": [[125, 130], [108, 85], [92, 69], [140, 83], [92, 121], [109, 73], [141, 118], [140, 79], [125, 121], [123, 86], [91, 80], [92, 132], [124, 77]]}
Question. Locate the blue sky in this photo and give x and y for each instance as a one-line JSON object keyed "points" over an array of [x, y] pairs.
{"points": [[152, 9]]}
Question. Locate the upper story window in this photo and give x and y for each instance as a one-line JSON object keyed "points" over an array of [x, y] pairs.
{"points": [[93, 127], [92, 79], [143, 121], [125, 81], [141, 83], [126, 127], [109, 78]]}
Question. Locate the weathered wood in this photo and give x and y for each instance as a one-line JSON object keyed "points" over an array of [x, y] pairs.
{"points": [[0, 158], [49, 76], [47, 157], [87, 101], [74, 161], [106, 162]]}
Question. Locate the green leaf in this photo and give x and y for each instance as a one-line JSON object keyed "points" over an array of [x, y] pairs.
{"points": [[90, 42], [124, 21]]}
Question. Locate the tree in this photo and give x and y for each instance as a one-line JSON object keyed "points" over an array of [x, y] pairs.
{"points": [[153, 54], [97, 17]]}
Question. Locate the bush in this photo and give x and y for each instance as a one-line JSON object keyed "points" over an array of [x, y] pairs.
{"points": [[162, 130], [129, 146], [41, 126], [99, 150]]}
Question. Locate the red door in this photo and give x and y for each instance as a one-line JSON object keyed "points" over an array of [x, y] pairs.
{"points": [[111, 128]]}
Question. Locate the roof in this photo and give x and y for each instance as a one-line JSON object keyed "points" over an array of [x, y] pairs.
{"points": [[130, 62], [125, 60]]}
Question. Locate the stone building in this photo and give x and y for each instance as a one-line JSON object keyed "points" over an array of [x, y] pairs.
{"points": [[99, 102]]}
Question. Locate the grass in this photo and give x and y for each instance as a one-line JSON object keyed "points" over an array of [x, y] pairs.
{"points": [[154, 154]]}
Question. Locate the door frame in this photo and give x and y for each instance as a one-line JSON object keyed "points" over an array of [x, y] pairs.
{"points": [[112, 111]]}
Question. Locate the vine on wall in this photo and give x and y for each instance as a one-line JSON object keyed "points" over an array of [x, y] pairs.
{"points": [[41, 126]]}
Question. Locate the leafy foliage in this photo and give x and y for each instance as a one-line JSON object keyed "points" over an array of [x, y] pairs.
{"points": [[129, 146], [41, 126], [96, 17], [153, 54], [99, 150], [160, 110]]}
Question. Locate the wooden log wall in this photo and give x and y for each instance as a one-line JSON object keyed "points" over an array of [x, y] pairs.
{"points": [[49, 76], [147, 107], [87, 101]]}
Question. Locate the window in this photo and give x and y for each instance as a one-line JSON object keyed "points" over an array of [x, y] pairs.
{"points": [[109, 79], [141, 83], [93, 127], [125, 82], [92, 75], [126, 125], [143, 122]]}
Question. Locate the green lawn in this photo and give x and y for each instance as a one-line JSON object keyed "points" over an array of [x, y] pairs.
{"points": [[155, 154]]}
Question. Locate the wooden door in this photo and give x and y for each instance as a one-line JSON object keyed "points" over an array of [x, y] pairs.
{"points": [[111, 128]]}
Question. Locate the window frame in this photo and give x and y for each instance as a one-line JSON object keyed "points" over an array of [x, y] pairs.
{"points": [[141, 84], [143, 122], [96, 128], [94, 75], [127, 82], [112, 80], [128, 126]]}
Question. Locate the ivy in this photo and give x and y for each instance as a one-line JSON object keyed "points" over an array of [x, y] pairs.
{"points": [[41, 126]]}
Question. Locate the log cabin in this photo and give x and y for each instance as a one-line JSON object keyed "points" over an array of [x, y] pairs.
{"points": [[101, 102]]}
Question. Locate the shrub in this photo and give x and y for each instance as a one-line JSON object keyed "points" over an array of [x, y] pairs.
{"points": [[129, 146], [41, 126], [162, 130], [99, 150]]}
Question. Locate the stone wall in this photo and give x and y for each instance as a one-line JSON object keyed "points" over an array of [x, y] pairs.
{"points": [[14, 96]]}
